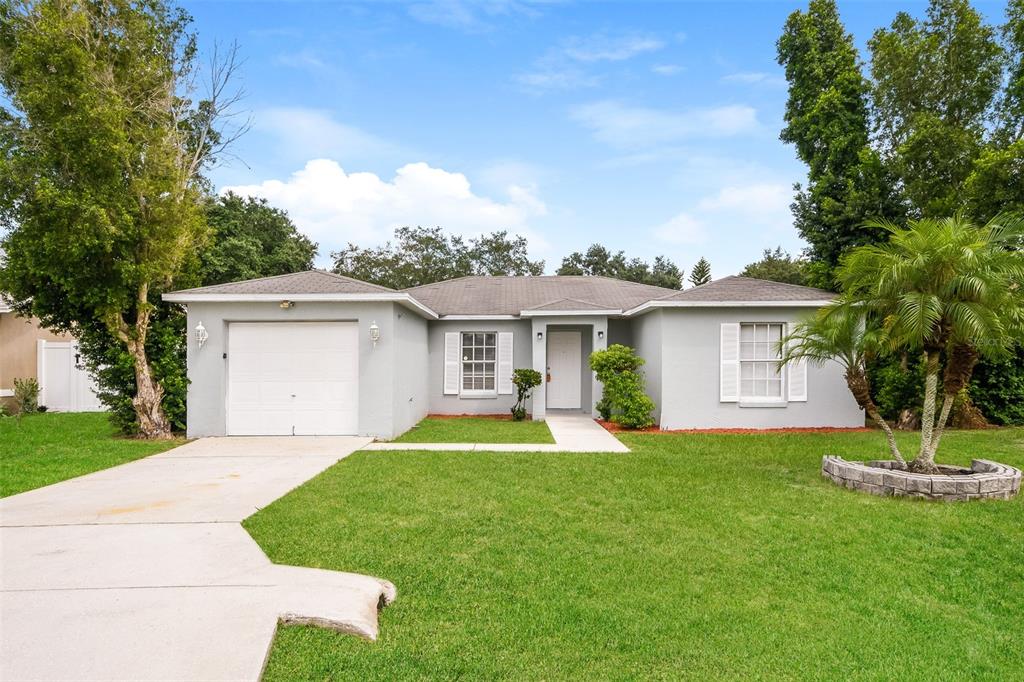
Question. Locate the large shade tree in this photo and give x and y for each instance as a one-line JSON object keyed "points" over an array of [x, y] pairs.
{"points": [[103, 147], [828, 123], [949, 289], [248, 238], [424, 255], [599, 261]]}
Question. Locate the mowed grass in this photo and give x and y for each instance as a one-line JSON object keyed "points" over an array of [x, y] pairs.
{"points": [[45, 448], [476, 430], [696, 556]]}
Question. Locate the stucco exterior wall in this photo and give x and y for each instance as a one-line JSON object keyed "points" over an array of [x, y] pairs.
{"points": [[208, 367], [690, 377], [522, 357], [620, 331], [410, 377], [647, 340], [19, 338]]}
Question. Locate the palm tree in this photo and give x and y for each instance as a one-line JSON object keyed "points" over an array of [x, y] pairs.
{"points": [[842, 332], [947, 288]]}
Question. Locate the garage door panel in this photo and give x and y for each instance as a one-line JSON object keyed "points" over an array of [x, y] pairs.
{"points": [[295, 377]]}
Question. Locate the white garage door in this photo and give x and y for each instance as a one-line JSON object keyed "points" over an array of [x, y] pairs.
{"points": [[293, 378]]}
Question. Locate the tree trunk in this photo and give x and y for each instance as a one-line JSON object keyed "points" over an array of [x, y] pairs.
{"points": [[960, 362], [966, 414], [924, 462], [149, 393], [857, 380]]}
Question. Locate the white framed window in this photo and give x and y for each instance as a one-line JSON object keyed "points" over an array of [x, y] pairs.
{"points": [[761, 377], [479, 352]]}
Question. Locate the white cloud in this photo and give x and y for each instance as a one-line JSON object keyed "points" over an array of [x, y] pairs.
{"points": [[682, 228], [303, 133], [630, 127], [755, 78], [471, 16], [560, 67], [602, 47], [556, 78], [666, 69], [334, 207], [303, 59], [758, 208]]}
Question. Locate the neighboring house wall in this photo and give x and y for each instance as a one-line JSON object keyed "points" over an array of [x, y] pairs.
{"points": [[647, 340], [208, 368], [522, 354], [691, 360], [19, 341]]}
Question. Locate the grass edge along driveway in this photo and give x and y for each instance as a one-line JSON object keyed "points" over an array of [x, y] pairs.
{"points": [[693, 556], [48, 447]]}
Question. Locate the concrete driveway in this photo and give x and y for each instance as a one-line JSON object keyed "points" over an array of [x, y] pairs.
{"points": [[142, 571]]}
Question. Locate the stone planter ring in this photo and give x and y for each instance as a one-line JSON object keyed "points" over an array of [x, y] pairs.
{"points": [[984, 480]]}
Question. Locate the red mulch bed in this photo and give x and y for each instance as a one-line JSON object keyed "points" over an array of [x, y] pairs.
{"points": [[615, 428]]}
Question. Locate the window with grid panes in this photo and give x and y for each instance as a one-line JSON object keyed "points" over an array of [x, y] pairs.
{"points": [[479, 362], [760, 374]]}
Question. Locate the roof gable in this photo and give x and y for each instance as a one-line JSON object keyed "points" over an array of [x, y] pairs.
{"points": [[736, 288], [501, 295]]}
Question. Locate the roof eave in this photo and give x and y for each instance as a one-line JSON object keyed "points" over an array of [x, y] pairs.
{"points": [[651, 305], [384, 297], [570, 313]]}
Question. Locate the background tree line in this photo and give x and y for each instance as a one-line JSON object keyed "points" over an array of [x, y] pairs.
{"points": [[931, 126]]}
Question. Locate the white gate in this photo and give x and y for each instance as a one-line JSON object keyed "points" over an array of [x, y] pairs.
{"points": [[64, 386]]}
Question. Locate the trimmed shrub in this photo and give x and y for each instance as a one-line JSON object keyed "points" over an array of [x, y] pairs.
{"points": [[624, 401], [525, 380]]}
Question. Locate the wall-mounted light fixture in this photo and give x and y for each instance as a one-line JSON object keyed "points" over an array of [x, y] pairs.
{"points": [[201, 335], [600, 333], [285, 305], [540, 336], [374, 333]]}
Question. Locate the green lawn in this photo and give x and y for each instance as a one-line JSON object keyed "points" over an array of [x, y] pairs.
{"points": [[41, 449], [697, 556], [476, 430]]}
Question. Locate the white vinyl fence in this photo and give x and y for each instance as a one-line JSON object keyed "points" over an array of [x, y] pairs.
{"points": [[64, 386]]}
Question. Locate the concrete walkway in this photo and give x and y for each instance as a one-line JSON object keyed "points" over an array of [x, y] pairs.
{"points": [[572, 433], [142, 571]]}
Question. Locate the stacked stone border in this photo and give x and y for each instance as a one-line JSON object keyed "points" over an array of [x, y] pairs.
{"points": [[984, 480]]}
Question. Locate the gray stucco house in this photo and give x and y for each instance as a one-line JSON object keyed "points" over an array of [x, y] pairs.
{"points": [[318, 353]]}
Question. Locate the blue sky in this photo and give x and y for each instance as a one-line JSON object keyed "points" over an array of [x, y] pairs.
{"points": [[649, 127]]}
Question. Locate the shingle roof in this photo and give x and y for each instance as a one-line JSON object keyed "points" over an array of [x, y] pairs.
{"points": [[308, 282], [736, 288], [567, 304], [512, 295]]}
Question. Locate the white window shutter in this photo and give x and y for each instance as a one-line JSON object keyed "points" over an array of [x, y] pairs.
{"points": [[452, 362], [729, 379], [796, 380], [505, 363]]}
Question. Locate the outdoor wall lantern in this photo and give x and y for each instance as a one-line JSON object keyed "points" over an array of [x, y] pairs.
{"points": [[201, 335], [374, 333], [600, 333], [540, 336]]}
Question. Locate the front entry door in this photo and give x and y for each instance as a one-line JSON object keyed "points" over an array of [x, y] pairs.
{"points": [[564, 358]]}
